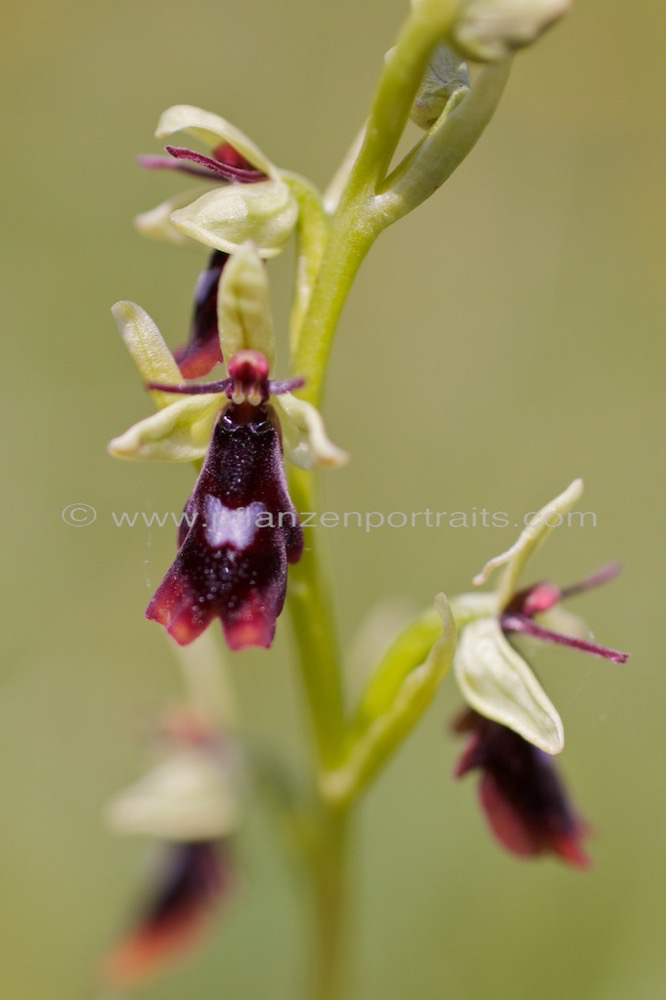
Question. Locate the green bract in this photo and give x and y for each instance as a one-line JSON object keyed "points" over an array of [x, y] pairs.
{"points": [[401, 689]]}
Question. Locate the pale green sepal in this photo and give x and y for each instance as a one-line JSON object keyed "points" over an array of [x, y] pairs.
{"points": [[187, 797], [531, 538], [490, 30], [178, 433], [213, 130], [306, 442], [227, 217], [467, 608], [146, 345], [156, 223], [399, 693], [498, 683], [243, 306]]}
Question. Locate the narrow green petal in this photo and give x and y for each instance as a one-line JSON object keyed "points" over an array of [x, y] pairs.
{"points": [[306, 441], [531, 538], [243, 306], [146, 345], [178, 433], [156, 223], [213, 131], [227, 217], [498, 683]]}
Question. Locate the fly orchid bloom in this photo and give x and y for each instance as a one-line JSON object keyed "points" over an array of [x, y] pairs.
{"points": [[513, 726], [189, 803], [239, 529], [521, 793], [494, 678], [248, 199]]}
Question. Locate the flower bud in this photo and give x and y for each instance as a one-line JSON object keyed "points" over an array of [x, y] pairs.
{"points": [[445, 74], [490, 30]]}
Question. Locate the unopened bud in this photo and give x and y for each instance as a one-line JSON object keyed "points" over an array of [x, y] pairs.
{"points": [[490, 30], [446, 73]]}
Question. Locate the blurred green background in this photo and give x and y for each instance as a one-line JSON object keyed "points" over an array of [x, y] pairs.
{"points": [[502, 340]]}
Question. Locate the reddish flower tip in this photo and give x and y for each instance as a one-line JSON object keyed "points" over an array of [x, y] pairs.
{"points": [[521, 794], [188, 888]]}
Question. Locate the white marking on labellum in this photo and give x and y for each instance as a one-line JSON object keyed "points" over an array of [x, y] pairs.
{"points": [[231, 526]]}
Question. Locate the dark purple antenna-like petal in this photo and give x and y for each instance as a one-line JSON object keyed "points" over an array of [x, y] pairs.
{"points": [[280, 386], [525, 626], [166, 163], [192, 389], [596, 579], [220, 170]]}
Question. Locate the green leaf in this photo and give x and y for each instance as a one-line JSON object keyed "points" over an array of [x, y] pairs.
{"points": [[398, 694]]}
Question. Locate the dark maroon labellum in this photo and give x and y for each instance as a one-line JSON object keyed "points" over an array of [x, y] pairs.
{"points": [[190, 883], [521, 793], [240, 529]]}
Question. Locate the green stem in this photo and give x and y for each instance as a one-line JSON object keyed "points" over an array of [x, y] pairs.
{"points": [[331, 884], [356, 223], [316, 637], [323, 286], [350, 239]]}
